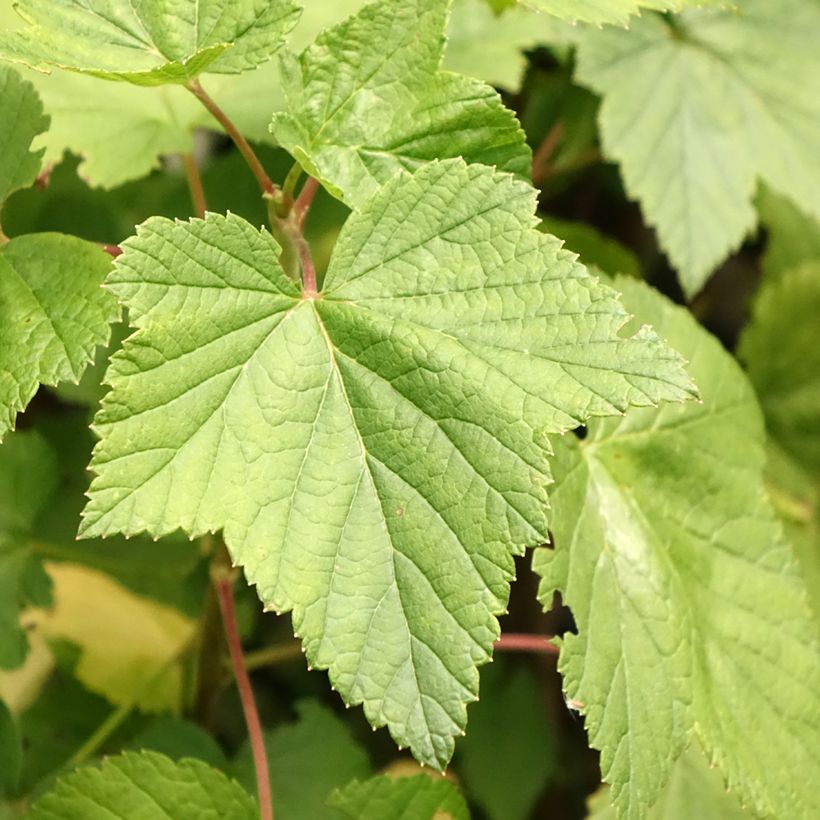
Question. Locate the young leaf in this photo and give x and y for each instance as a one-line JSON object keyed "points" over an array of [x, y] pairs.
{"points": [[384, 798], [780, 350], [375, 453], [358, 114], [691, 611], [149, 43], [53, 314], [698, 108], [301, 787], [28, 471], [145, 784], [22, 121], [694, 792]]}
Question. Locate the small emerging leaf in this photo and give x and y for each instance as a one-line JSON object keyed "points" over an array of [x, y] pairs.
{"points": [[149, 43]]}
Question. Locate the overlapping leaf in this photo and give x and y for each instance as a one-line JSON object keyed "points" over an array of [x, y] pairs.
{"points": [[376, 454], [385, 798], [782, 356], [149, 43], [690, 608], [22, 121], [698, 109], [792, 237], [145, 784], [610, 11], [53, 314], [358, 114]]}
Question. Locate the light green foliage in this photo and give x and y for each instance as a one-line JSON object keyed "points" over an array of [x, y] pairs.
{"points": [[792, 236], [307, 761], [696, 111], [385, 798], [149, 43], [11, 753], [53, 314], [690, 608], [595, 250], [694, 792], [358, 114], [508, 755], [375, 456], [609, 11], [27, 478], [782, 356], [22, 121], [148, 785]]}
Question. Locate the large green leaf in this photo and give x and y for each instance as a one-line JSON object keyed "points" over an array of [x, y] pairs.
{"points": [[782, 355], [53, 314], [358, 114], [610, 11], [307, 761], [147, 785], [384, 798], [691, 610], [694, 792], [149, 43], [28, 474], [375, 454], [697, 109], [22, 121]]}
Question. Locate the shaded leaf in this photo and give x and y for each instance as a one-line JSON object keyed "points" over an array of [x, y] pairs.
{"points": [[690, 607], [11, 753], [793, 237]]}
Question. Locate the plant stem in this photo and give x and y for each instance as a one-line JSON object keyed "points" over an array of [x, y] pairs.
{"points": [[195, 185], [3, 237], [516, 642], [271, 655], [224, 588], [543, 154], [101, 734], [289, 187], [268, 188], [112, 250], [304, 201]]}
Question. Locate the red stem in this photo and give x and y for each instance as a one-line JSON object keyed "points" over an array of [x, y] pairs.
{"points": [[195, 185], [304, 200], [514, 642], [541, 161], [224, 590], [112, 250], [265, 183]]}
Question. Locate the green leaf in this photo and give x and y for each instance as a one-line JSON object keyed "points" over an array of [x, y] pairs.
{"points": [[22, 121], [690, 608], [358, 114], [11, 753], [697, 109], [178, 739], [694, 791], [28, 471], [508, 755], [307, 760], [395, 422], [610, 11], [384, 798], [779, 347], [53, 314], [595, 249], [793, 237], [147, 785], [149, 43]]}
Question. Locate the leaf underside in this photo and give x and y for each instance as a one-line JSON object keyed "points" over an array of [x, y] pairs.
{"points": [[376, 455], [696, 114], [690, 608]]}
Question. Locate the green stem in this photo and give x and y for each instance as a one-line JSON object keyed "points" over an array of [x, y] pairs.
{"points": [[289, 187], [271, 655]]}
